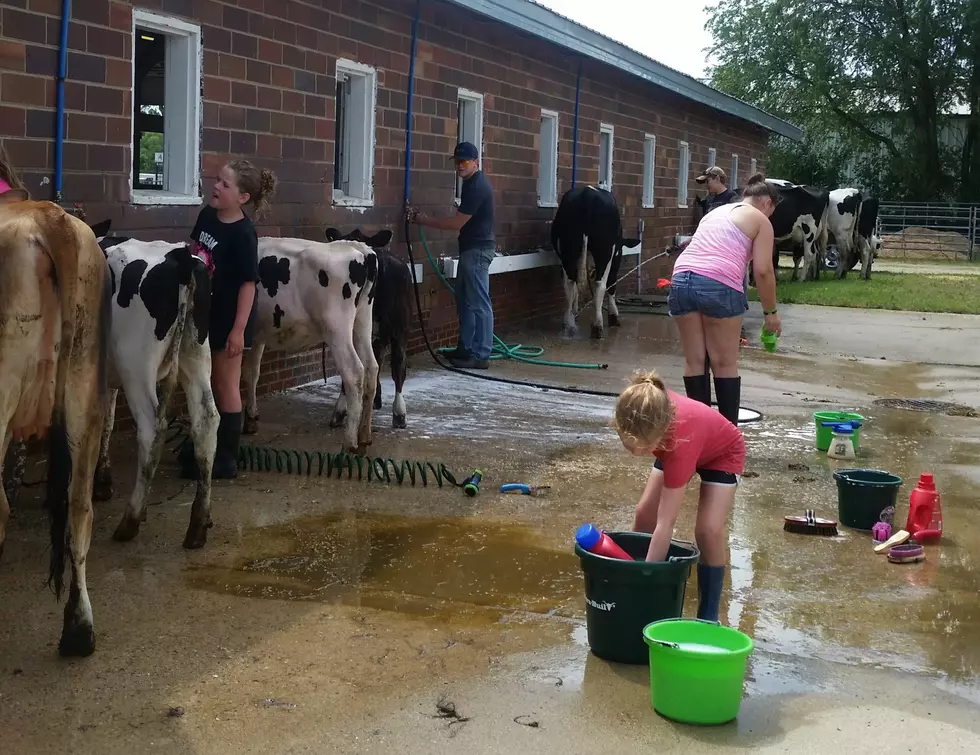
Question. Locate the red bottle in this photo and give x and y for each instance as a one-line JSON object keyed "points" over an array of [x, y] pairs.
{"points": [[925, 520], [596, 541]]}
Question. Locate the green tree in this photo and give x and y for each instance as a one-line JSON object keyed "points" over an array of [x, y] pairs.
{"points": [[861, 76], [150, 144]]}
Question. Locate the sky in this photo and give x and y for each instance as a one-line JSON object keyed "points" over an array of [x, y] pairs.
{"points": [[669, 31]]}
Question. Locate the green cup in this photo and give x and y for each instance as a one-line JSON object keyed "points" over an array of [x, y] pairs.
{"points": [[768, 340]]}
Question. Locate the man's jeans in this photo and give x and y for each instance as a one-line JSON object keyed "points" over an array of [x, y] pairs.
{"points": [[473, 301]]}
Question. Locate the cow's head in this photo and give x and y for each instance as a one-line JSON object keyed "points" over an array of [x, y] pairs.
{"points": [[378, 241]]}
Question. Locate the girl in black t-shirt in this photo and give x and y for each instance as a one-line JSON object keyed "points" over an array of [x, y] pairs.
{"points": [[225, 238]]}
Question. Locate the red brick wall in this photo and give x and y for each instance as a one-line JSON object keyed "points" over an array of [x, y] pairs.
{"points": [[268, 95]]}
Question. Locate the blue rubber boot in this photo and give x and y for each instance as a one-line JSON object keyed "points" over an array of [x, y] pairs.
{"points": [[711, 579]]}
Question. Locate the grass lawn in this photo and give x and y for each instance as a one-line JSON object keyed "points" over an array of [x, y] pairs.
{"points": [[959, 294]]}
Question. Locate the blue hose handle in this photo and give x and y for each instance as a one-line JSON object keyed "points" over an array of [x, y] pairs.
{"points": [[510, 487]]}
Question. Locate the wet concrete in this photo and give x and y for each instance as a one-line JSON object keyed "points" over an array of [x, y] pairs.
{"points": [[334, 615]]}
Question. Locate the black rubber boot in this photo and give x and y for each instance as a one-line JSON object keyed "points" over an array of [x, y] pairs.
{"points": [[711, 580], [729, 392], [694, 387], [226, 455], [187, 461]]}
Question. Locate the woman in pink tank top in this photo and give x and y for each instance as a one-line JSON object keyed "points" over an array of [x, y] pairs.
{"points": [[8, 175], [707, 298]]}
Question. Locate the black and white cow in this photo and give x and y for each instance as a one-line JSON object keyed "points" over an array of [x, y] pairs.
{"points": [[160, 312], [799, 223], [392, 315], [852, 219], [588, 220], [312, 293]]}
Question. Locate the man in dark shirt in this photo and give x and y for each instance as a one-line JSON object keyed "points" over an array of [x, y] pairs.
{"points": [[477, 248]]}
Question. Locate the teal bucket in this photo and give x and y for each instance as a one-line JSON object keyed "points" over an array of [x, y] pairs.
{"points": [[826, 434], [697, 670]]}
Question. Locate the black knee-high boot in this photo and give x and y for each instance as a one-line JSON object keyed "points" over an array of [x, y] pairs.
{"points": [[695, 385], [729, 392], [226, 454]]}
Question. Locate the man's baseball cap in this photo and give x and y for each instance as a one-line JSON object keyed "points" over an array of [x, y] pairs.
{"points": [[715, 171], [466, 151]]}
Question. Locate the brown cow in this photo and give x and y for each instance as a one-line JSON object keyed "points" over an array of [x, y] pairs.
{"points": [[55, 296]]}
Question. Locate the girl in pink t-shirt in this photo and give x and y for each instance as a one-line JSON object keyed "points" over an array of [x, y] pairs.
{"points": [[686, 437]]}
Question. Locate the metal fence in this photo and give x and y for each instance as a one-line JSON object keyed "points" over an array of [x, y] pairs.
{"points": [[929, 231]]}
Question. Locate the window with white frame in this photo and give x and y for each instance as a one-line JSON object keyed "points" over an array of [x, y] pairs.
{"points": [[712, 157], [649, 168], [469, 126], [684, 164], [733, 179], [167, 57], [354, 140], [754, 166], [606, 136], [548, 160]]}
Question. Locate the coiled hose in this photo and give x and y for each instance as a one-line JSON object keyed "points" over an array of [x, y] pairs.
{"points": [[255, 458]]}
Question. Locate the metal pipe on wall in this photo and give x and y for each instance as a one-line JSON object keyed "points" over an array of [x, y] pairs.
{"points": [[578, 103], [59, 139], [410, 109]]}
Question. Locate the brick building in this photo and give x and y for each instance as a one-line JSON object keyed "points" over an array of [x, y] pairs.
{"points": [[317, 91]]}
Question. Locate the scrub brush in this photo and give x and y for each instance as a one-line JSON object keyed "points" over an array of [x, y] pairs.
{"points": [[810, 525]]}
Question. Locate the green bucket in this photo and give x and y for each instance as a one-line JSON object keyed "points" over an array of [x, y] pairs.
{"points": [[622, 597], [697, 670], [862, 494], [826, 434]]}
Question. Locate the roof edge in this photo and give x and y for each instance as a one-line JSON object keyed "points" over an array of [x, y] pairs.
{"points": [[547, 24]]}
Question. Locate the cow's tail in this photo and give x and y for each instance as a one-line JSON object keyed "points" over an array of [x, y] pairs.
{"points": [[584, 287], [63, 247]]}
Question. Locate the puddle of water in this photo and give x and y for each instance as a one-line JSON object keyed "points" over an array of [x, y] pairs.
{"points": [[408, 564]]}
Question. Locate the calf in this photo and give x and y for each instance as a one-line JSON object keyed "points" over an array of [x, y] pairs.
{"points": [[54, 331], [869, 244], [392, 314], [161, 307], [842, 217], [588, 220], [799, 222], [313, 292]]}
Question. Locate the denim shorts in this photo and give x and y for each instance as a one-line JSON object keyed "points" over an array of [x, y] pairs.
{"points": [[692, 292]]}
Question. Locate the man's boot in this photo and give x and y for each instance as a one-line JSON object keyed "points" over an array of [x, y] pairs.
{"points": [[226, 455]]}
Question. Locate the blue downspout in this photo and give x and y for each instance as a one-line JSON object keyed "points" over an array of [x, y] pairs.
{"points": [[410, 109], [59, 140], [578, 103]]}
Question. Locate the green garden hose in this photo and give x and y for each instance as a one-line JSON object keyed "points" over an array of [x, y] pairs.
{"points": [[518, 351]]}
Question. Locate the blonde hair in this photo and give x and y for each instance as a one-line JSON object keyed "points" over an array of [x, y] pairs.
{"points": [[644, 411], [258, 184]]}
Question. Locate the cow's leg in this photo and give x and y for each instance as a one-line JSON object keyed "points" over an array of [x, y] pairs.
{"points": [[102, 488], [376, 345], [613, 308], [339, 416], [569, 326], [351, 369], [84, 424], [251, 365], [14, 466], [600, 295], [363, 345], [151, 427], [195, 378], [399, 369], [866, 258], [4, 502]]}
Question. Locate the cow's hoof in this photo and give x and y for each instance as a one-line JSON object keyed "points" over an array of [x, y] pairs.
{"points": [[613, 321], [377, 401], [398, 421], [597, 331], [569, 331], [127, 529], [338, 419], [250, 425], [197, 534], [77, 639]]}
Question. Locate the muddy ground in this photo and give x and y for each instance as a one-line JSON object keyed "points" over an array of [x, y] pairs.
{"points": [[335, 616]]}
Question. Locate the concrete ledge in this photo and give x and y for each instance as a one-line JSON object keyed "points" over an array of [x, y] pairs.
{"points": [[513, 262]]}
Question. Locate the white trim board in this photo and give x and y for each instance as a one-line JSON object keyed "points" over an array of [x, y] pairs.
{"points": [[511, 263]]}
